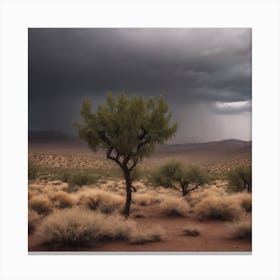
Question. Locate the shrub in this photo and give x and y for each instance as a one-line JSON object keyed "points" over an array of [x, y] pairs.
{"points": [[32, 170], [240, 179], [33, 218], [106, 202], [191, 231], [78, 227], [173, 206], [81, 179], [40, 203], [199, 195], [218, 208], [240, 230], [62, 199], [244, 199], [153, 234], [143, 199]]}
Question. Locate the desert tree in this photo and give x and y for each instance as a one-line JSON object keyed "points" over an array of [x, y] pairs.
{"points": [[240, 178], [189, 177], [128, 130]]}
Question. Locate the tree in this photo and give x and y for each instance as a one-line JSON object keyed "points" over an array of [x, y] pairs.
{"points": [[240, 179], [128, 129], [175, 172]]}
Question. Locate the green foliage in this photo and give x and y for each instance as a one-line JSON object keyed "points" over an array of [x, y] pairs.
{"points": [[127, 125], [80, 179], [239, 178], [128, 129], [167, 174], [32, 170], [175, 172]]}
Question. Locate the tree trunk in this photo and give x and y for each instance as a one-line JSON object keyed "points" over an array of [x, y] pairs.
{"points": [[127, 177], [184, 188]]}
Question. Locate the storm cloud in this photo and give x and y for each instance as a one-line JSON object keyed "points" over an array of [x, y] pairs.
{"points": [[204, 74]]}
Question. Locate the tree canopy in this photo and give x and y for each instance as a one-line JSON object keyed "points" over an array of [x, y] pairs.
{"points": [[127, 128], [175, 172]]}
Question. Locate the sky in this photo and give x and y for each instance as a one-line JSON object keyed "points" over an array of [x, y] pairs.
{"points": [[204, 75]]}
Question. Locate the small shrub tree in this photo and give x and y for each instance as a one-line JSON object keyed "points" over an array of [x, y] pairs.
{"points": [[175, 172], [32, 170], [128, 129], [240, 179]]}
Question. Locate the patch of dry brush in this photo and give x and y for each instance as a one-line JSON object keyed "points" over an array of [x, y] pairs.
{"points": [[174, 206], [241, 230], [104, 201], [218, 208], [40, 203], [79, 227]]}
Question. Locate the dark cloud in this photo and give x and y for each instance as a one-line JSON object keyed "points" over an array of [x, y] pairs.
{"points": [[188, 66]]}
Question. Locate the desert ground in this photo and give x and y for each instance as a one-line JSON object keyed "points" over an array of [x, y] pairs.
{"points": [[87, 216]]}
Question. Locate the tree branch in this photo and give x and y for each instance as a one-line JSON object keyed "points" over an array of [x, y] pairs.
{"points": [[193, 188], [109, 156], [133, 165]]}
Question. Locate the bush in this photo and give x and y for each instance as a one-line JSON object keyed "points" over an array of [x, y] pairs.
{"points": [[40, 203], [144, 199], [32, 170], [240, 179], [81, 179], [77, 227], [106, 202], [241, 230], [218, 208], [244, 199], [173, 206], [33, 218], [191, 231], [199, 195], [62, 199]]}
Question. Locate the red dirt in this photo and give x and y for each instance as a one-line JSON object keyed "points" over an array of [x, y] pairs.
{"points": [[214, 237]]}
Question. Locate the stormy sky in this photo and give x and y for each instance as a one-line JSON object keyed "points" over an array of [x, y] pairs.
{"points": [[204, 75]]}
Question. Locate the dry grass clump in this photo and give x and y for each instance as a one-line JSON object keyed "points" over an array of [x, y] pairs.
{"points": [[218, 208], [62, 199], [33, 218], [240, 230], [244, 199], [104, 201], [197, 196], [144, 199], [79, 227], [189, 231], [40, 203], [174, 206], [153, 234]]}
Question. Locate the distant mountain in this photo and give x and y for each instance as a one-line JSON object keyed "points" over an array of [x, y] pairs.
{"points": [[214, 146], [49, 136]]}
